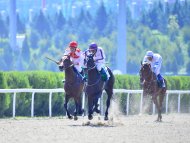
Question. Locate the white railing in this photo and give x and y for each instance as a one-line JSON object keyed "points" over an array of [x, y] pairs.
{"points": [[60, 90]]}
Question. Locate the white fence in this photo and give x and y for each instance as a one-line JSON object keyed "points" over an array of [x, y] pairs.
{"points": [[128, 92]]}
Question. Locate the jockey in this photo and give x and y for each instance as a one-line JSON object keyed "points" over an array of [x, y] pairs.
{"points": [[99, 59], [76, 56], [155, 61]]}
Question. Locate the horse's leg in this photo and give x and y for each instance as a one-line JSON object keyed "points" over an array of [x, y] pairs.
{"points": [[161, 98], [95, 103], [154, 98], [109, 93], [90, 106], [76, 109], [80, 110], [65, 105]]}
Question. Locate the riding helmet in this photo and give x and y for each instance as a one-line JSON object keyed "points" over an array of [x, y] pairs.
{"points": [[73, 44], [93, 46]]}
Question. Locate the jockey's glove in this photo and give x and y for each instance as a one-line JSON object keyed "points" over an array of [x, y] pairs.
{"points": [[61, 68]]}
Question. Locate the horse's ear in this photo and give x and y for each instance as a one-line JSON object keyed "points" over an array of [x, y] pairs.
{"points": [[68, 57], [93, 54]]}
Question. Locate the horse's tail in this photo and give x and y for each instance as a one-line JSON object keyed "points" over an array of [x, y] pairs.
{"points": [[110, 84], [165, 83], [112, 78]]}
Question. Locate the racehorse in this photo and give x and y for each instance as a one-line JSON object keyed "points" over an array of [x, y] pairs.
{"points": [[73, 86], [95, 87], [150, 87]]}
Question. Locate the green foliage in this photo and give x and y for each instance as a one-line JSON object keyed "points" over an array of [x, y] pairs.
{"points": [[4, 98], [49, 80]]}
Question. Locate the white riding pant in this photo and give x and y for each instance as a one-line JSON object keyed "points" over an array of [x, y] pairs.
{"points": [[100, 65]]}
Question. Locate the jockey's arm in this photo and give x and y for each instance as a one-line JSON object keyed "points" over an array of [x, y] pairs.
{"points": [[156, 67], [100, 56], [79, 59], [67, 51]]}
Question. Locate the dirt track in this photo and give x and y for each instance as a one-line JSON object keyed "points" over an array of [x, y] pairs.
{"points": [[175, 128]]}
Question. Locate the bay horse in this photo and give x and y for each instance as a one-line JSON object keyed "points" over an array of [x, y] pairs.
{"points": [[95, 86], [73, 86], [150, 87]]}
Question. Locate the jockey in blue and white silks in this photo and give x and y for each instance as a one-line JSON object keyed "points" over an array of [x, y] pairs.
{"points": [[155, 60]]}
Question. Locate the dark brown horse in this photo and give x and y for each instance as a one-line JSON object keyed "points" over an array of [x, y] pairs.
{"points": [[95, 87], [150, 87], [73, 86]]}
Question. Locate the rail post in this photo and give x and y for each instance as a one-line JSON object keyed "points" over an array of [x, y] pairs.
{"points": [[179, 103], [14, 104], [32, 105], [50, 109]]}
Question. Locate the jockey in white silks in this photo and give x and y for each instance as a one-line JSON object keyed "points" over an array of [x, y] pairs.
{"points": [[76, 56], [99, 59], [155, 60]]}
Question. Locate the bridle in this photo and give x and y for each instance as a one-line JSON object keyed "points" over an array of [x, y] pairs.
{"points": [[71, 65], [91, 68], [150, 72]]}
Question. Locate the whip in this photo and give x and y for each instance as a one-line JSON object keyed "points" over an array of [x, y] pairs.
{"points": [[57, 62]]}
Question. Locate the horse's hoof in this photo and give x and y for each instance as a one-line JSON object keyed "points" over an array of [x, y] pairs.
{"points": [[160, 117], [90, 117], [75, 118], [97, 111], [105, 118], [70, 117]]}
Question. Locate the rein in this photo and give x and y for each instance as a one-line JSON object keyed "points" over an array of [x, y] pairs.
{"points": [[91, 68], [94, 83], [68, 66]]}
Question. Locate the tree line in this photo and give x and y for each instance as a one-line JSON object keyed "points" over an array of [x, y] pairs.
{"points": [[163, 28]]}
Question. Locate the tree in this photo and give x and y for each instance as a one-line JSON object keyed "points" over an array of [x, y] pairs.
{"points": [[60, 21], [173, 27], [42, 25], [3, 29], [188, 49], [20, 25], [26, 50], [101, 18], [188, 67], [33, 39]]}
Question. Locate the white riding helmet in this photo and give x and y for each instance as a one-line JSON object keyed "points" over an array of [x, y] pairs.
{"points": [[149, 54]]}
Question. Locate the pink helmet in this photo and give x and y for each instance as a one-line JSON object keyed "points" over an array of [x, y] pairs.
{"points": [[73, 44]]}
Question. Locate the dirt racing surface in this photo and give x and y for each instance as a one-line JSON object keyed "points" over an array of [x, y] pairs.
{"points": [[175, 128]]}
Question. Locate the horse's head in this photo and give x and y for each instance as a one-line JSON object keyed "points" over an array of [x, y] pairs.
{"points": [[90, 61], [145, 72], [65, 62]]}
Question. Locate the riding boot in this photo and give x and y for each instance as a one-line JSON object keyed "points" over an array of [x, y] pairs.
{"points": [[160, 81], [103, 75]]}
